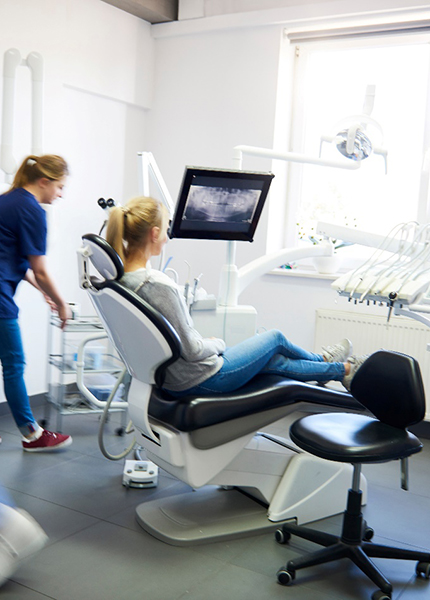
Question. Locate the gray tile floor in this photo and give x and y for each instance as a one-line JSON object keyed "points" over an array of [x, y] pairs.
{"points": [[97, 550]]}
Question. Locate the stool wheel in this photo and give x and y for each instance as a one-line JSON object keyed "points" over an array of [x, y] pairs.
{"points": [[368, 534], [285, 577], [282, 537], [423, 568]]}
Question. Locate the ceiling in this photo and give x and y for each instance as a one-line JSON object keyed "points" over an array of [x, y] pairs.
{"points": [[162, 11], [153, 11]]}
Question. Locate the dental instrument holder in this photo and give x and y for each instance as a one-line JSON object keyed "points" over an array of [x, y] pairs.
{"points": [[398, 305]]}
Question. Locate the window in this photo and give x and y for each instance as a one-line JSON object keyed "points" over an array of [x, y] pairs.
{"points": [[330, 83]]}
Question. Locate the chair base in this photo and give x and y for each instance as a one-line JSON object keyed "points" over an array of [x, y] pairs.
{"points": [[310, 489], [351, 544], [209, 514]]}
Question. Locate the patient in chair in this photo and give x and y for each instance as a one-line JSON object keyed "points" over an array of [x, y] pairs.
{"points": [[138, 231]]}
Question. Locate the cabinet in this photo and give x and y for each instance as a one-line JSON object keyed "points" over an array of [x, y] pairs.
{"points": [[83, 369]]}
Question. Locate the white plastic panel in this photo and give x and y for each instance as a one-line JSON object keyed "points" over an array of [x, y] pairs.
{"points": [[140, 345]]}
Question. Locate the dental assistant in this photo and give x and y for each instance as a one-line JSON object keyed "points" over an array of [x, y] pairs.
{"points": [[23, 232]]}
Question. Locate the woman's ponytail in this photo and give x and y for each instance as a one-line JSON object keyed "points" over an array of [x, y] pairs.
{"points": [[49, 166]]}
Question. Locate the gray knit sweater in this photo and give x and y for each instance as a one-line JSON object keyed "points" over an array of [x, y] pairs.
{"points": [[200, 357]]}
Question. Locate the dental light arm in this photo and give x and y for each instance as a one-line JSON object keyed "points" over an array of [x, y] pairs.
{"points": [[262, 265], [148, 170], [234, 281], [238, 151]]}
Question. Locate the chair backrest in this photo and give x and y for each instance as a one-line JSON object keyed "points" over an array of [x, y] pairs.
{"points": [[103, 257], [390, 385], [143, 338]]}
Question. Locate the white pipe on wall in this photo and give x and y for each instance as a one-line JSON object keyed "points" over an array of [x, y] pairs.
{"points": [[12, 58], [34, 61]]}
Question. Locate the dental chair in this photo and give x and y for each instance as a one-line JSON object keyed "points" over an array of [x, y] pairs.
{"points": [[246, 482], [396, 402]]}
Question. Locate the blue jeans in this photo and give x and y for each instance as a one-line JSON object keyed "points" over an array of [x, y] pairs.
{"points": [[13, 363], [268, 352]]}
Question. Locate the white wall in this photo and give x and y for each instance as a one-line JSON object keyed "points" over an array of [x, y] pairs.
{"points": [[98, 90], [212, 92], [215, 85]]}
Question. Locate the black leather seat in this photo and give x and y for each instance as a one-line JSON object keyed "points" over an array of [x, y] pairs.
{"points": [[389, 384], [216, 419]]}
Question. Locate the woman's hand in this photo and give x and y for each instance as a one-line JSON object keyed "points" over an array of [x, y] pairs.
{"points": [[64, 314], [50, 302]]}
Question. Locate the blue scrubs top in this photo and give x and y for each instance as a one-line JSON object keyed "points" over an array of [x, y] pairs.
{"points": [[22, 234]]}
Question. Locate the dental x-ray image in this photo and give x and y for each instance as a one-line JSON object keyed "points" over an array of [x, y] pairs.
{"points": [[219, 204]]}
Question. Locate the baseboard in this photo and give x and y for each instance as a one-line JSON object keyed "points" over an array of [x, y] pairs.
{"points": [[36, 400]]}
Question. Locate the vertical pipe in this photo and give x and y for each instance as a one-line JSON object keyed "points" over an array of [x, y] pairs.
{"points": [[35, 64], [34, 61], [12, 58], [356, 477], [228, 282], [143, 174], [231, 247]]}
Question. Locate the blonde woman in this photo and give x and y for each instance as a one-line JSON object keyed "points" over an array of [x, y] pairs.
{"points": [[23, 231], [137, 232]]}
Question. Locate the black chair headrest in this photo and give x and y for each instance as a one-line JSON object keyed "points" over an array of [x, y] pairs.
{"points": [[103, 257], [390, 385]]}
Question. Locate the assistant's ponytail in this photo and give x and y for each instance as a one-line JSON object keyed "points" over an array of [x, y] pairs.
{"points": [[49, 166]]}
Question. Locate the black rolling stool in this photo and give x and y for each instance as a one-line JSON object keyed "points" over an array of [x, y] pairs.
{"points": [[389, 384]]}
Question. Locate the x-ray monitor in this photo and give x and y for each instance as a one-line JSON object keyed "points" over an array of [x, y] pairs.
{"points": [[217, 204]]}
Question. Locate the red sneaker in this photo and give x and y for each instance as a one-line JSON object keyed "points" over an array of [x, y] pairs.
{"points": [[48, 442]]}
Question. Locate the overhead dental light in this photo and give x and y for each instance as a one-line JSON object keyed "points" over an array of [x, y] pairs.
{"points": [[354, 144], [358, 136]]}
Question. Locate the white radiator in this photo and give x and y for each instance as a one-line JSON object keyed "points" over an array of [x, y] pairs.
{"points": [[369, 333]]}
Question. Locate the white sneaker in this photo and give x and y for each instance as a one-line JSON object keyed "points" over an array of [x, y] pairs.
{"points": [[20, 537], [338, 352], [355, 362]]}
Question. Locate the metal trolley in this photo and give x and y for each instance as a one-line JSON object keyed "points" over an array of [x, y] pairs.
{"points": [[83, 371]]}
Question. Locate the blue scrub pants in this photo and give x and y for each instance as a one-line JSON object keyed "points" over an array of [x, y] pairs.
{"points": [[268, 352], [13, 363]]}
